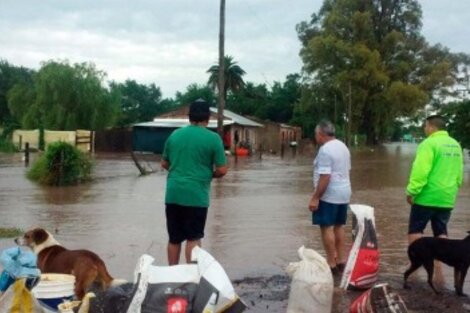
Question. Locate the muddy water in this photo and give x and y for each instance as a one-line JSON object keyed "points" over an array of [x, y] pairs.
{"points": [[257, 220]]}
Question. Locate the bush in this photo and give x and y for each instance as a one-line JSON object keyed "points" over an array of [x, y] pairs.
{"points": [[6, 145], [62, 164], [10, 232]]}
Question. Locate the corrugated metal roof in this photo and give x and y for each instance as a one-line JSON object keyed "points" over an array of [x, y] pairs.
{"points": [[238, 119], [177, 123]]}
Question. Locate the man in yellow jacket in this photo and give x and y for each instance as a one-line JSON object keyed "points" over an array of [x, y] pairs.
{"points": [[435, 179]]}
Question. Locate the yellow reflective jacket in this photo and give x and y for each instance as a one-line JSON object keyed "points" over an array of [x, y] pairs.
{"points": [[437, 172]]}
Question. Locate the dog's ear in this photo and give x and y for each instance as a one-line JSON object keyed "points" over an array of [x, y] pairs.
{"points": [[39, 235]]}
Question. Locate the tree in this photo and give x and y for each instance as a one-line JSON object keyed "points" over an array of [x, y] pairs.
{"points": [[458, 115], [373, 48], [64, 97], [233, 78], [233, 75], [275, 104], [283, 98], [139, 102], [9, 76], [20, 98], [251, 100], [194, 92]]}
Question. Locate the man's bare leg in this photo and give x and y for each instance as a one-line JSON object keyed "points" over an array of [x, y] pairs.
{"points": [[414, 237], [340, 244], [439, 278], [190, 244], [173, 251], [328, 238]]}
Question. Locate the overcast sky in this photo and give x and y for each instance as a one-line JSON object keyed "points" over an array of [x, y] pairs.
{"points": [[173, 42]]}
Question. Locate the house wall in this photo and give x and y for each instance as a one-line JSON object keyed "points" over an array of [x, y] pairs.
{"points": [[150, 139], [270, 137], [273, 135], [290, 133], [246, 134]]}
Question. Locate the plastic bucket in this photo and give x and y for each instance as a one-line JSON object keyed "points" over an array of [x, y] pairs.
{"points": [[53, 289], [242, 152]]}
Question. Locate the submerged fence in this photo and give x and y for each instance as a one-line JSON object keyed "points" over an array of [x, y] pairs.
{"points": [[82, 139]]}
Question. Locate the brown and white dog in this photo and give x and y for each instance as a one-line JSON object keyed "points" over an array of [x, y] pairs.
{"points": [[86, 266]]}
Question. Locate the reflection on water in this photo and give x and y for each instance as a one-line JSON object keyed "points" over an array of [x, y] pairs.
{"points": [[257, 220]]}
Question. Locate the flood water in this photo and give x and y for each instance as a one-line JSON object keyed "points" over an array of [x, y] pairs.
{"points": [[257, 220]]}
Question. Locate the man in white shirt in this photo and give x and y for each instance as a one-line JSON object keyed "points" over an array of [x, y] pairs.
{"points": [[330, 200]]}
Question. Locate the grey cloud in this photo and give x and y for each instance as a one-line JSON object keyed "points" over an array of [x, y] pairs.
{"points": [[173, 42]]}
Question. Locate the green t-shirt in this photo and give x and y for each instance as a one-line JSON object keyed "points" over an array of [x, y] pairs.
{"points": [[437, 172], [193, 152]]}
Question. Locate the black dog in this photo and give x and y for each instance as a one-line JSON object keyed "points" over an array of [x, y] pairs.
{"points": [[455, 253]]}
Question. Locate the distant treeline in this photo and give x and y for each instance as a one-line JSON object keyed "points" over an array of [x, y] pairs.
{"points": [[366, 67], [64, 96]]}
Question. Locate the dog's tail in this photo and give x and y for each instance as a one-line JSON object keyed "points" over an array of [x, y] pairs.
{"points": [[103, 275], [106, 279]]}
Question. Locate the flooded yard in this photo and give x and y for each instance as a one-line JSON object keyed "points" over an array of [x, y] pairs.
{"points": [[257, 220]]}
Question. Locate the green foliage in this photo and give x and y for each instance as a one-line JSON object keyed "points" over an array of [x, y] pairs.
{"points": [[458, 114], [139, 102], [10, 232], [9, 76], [233, 76], [369, 53], [251, 100], [276, 104], [194, 92], [6, 145], [62, 164], [283, 98], [64, 97]]}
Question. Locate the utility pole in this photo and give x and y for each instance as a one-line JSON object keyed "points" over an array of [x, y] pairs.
{"points": [[335, 120], [349, 116], [220, 109]]}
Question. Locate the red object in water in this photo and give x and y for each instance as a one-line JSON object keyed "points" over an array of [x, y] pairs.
{"points": [[242, 151]]}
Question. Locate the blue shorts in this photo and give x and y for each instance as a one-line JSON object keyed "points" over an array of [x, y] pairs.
{"points": [[420, 216], [329, 214]]}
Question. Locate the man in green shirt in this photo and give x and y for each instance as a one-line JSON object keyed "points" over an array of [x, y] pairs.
{"points": [[435, 179], [193, 155]]}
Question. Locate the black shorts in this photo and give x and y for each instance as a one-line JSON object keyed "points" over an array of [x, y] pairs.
{"points": [[420, 216], [185, 222]]}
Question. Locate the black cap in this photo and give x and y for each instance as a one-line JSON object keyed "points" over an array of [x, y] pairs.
{"points": [[199, 111]]}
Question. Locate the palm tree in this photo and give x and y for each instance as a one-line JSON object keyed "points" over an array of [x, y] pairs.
{"points": [[233, 75], [233, 81]]}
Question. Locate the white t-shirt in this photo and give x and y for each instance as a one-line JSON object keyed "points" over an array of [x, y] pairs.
{"points": [[334, 158]]}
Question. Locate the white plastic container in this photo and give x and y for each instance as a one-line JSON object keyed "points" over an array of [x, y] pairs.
{"points": [[53, 289]]}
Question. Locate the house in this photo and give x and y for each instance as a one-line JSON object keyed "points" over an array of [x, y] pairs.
{"points": [[242, 131], [274, 136], [238, 130]]}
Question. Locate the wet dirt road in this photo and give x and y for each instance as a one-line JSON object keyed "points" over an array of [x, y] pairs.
{"points": [[257, 220]]}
